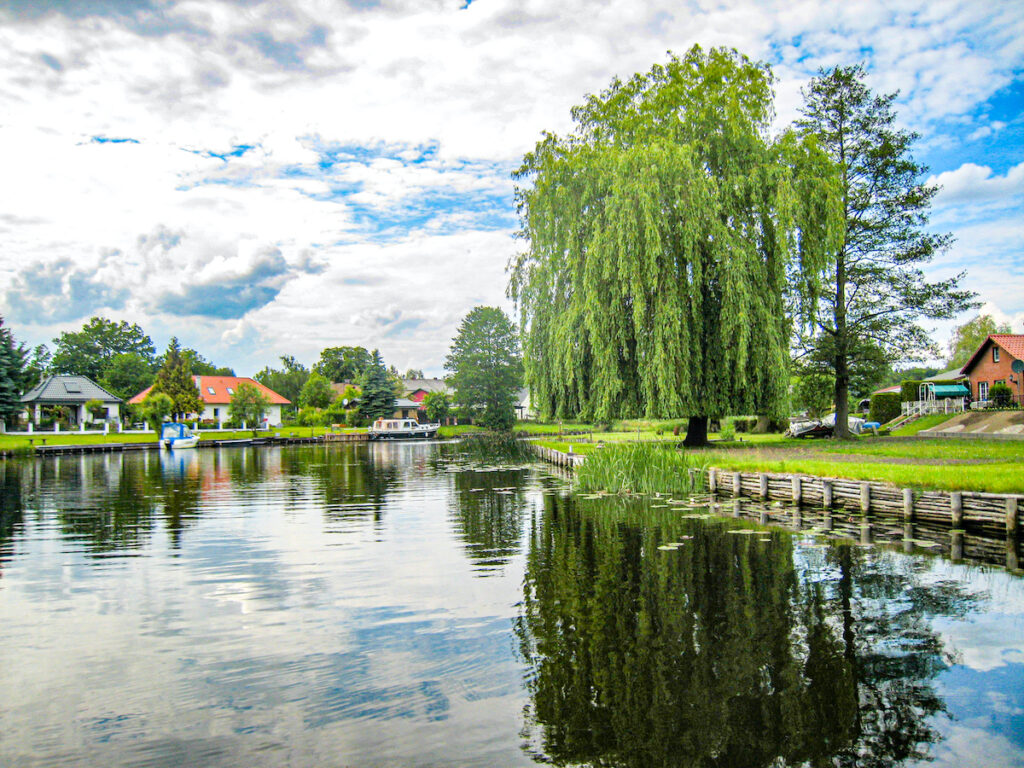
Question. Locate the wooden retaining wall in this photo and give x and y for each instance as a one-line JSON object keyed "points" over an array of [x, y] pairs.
{"points": [[959, 510]]}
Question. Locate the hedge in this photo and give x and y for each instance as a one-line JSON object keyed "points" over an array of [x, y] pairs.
{"points": [[909, 391], [885, 406]]}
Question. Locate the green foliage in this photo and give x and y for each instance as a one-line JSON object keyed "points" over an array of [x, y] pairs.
{"points": [[288, 381], [641, 468], [248, 405], [486, 369], [727, 431], [127, 374], [663, 233], [312, 417], [95, 408], [155, 408], [89, 352], [910, 391], [437, 405], [813, 390], [876, 289], [12, 365], [336, 412], [316, 392], [174, 379], [343, 363], [413, 373], [885, 407], [966, 338], [200, 366], [378, 392], [1000, 394]]}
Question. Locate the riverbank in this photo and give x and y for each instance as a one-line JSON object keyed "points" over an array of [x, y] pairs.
{"points": [[925, 464]]}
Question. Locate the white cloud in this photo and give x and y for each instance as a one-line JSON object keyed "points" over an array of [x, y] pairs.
{"points": [[971, 182]]}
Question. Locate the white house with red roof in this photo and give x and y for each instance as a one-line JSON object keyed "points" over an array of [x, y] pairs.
{"points": [[217, 391]]}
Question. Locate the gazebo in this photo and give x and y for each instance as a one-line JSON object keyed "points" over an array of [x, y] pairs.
{"points": [[72, 392]]}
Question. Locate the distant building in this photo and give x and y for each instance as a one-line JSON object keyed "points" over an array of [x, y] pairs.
{"points": [[72, 392], [992, 364], [217, 391]]}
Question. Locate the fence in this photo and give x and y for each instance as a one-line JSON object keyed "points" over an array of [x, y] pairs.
{"points": [[925, 407]]}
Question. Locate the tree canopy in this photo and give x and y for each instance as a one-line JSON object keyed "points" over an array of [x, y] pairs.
{"points": [[343, 363], [248, 404], [127, 374], [876, 291], [968, 337], [89, 352], [378, 392], [663, 233], [486, 368], [287, 381], [316, 392], [12, 366], [174, 379]]}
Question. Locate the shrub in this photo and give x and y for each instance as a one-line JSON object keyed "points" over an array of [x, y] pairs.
{"points": [[909, 391], [311, 417], [728, 430], [885, 406], [1001, 395]]}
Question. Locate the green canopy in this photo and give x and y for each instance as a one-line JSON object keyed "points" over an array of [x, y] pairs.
{"points": [[950, 390]]}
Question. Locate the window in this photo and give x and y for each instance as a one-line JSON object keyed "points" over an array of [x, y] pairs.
{"points": [[995, 354], [210, 390], [983, 390], [231, 391], [216, 413]]}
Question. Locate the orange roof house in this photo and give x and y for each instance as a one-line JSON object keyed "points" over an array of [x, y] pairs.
{"points": [[217, 391]]}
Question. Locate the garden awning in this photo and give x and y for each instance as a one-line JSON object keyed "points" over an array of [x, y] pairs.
{"points": [[950, 390]]}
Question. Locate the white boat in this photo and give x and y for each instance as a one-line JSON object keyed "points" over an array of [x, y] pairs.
{"points": [[401, 429], [177, 436]]}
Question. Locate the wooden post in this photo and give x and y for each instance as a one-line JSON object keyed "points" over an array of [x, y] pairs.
{"points": [[1012, 563], [826, 521], [712, 480], [908, 505], [1011, 517], [956, 509], [865, 497], [736, 509], [796, 490], [763, 518], [865, 533], [957, 547], [736, 484], [908, 537], [826, 494], [762, 481]]}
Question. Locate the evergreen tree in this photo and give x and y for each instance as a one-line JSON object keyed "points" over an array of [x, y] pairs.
{"points": [[378, 397], [662, 235], [876, 290], [174, 379], [12, 365], [486, 369]]}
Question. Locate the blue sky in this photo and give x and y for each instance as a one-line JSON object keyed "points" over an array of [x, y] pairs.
{"points": [[268, 178]]}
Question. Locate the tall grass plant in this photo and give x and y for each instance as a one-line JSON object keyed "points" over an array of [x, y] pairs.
{"points": [[641, 468]]}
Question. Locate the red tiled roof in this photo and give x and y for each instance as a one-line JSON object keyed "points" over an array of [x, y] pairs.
{"points": [[220, 394], [1013, 343]]}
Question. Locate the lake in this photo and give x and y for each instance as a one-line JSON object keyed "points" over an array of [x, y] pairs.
{"points": [[406, 604]]}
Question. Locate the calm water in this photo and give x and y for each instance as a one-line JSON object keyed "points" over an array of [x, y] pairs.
{"points": [[402, 605]]}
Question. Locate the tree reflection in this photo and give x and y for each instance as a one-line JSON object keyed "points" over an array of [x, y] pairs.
{"points": [[11, 506], [728, 651], [349, 479], [488, 514]]}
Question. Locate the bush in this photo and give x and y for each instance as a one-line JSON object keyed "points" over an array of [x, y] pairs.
{"points": [[311, 417], [1001, 395], [909, 391], [728, 430], [885, 406]]}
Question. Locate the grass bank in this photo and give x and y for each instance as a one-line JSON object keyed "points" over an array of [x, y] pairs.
{"points": [[22, 442]]}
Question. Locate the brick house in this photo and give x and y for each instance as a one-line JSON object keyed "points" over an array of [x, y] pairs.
{"points": [[992, 363]]}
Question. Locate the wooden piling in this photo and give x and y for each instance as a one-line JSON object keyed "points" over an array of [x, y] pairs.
{"points": [[956, 509], [1011, 517], [865, 497], [712, 480], [762, 483], [826, 494], [796, 489], [908, 505], [737, 484]]}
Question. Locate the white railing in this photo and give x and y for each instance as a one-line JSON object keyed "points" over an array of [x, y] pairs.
{"points": [[925, 407]]}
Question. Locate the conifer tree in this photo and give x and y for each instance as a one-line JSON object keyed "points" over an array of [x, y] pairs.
{"points": [[378, 397], [876, 291], [663, 233], [12, 365], [174, 379]]}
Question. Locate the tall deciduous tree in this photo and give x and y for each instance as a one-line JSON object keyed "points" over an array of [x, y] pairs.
{"points": [[174, 379], [968, 337], [317, 392], [378, 397], [286, 381], [248, 404], [88, 352], [486, 368], [876, 290], [127, 374], [343, 363], [662, 234]]}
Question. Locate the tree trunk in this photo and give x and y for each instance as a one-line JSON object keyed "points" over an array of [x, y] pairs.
{"points": [[761, 428], [696, 432], [842, 430]]}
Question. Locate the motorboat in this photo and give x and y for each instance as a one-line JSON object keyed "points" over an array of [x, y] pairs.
{"points": [[401, 429], [811, 428], [175, 436]]}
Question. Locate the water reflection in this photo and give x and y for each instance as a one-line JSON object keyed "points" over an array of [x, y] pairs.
{"points": [[730, 649]]}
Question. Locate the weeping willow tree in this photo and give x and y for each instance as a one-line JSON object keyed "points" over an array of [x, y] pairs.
{"points": [[668, 233]]}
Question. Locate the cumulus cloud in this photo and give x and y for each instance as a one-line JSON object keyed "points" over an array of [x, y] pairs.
{"points": [[971, 182]]}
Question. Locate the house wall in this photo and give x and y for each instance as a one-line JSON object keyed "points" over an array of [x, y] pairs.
{"points": [[219, 412], [987, 371]]}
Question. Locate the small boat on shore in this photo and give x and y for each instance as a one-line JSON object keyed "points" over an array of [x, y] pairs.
{"points": [[402, 429], [175, 436]]}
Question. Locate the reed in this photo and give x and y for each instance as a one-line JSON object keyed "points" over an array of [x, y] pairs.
{"points": [[642, 468]]}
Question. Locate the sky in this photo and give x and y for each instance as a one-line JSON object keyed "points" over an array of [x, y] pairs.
{"points": [[271, 178]]}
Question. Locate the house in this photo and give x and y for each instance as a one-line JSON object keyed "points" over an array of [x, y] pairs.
{"points": [[217, 391], [417, 389], [993, 363], [71, 392]]}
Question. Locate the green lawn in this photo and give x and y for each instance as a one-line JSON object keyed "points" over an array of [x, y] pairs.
{"points": [[15, 442], [925, 422]]}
